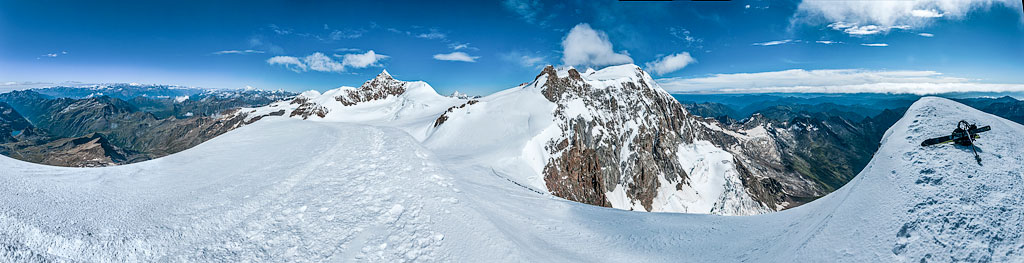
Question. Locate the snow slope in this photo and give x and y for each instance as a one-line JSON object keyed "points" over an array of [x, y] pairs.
{"points": [[413, 110], [290, 190], [515, 134]]}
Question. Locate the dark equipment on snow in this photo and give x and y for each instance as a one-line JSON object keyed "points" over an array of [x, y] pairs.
{"points": [[964, 135]]}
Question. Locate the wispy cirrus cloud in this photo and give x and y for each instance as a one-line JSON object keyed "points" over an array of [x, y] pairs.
{"points": [[456, 56], [530, 11], [246, 51], [323, 63], [336, 35], [773, 43], [834, 81], [52, 55], [855, 29], [685, 35], [525, 59], [432, 34], [874, 44]]}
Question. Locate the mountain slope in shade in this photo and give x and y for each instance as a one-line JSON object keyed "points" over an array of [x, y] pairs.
{"points": [[289, 190]]}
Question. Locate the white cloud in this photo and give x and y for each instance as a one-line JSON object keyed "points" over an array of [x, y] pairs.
{"points": [[367, 59], [684, 34], [525, 60], [52, 55], [834, 81], [925, 13], [280, 30], [875, 44], [292, 63], [458, 46], [344, 49], [247, 51], [855, 29], [772, 43], [345, 34], [671, 63], [826, 42], [586, 46], [874, 17], [926, 34], [456, 56], [433, 34], [320, 62]]}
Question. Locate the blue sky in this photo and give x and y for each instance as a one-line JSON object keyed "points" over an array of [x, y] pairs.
{"points": [[481, 47]]}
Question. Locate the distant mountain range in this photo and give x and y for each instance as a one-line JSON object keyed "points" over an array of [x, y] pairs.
{"points": [[116, 124]]}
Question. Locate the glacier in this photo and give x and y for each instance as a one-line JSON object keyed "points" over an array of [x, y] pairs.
{"points": [[283, 189]]}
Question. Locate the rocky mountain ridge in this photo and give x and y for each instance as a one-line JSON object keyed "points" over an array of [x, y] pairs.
{"points": [[100, 130]]}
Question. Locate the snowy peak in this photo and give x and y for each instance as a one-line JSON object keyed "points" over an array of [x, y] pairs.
{"points": [[380, 87], [628, 80], [621, 141], [382, 98]]}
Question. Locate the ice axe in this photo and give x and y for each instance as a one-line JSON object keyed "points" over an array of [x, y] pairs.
{"points": [[964, 135]]}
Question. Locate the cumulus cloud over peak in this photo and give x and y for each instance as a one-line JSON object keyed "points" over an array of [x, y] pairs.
{"points": [[584, 46], [363, 60], [671, 63], [833, 81], [323, 63]]}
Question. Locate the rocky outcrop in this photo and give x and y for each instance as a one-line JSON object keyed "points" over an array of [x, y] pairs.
{"points": [[444, 116], [380, 87], [11, 123], [625, 133], [101, 131]]}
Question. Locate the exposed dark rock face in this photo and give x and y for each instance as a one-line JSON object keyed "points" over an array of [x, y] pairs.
{"points": [[628, 135], [444, 116], [165, 101], [101, 131], [307, 109], [792, 158], [1006, 107], [87, 151], [11, 123], [381, 87]]}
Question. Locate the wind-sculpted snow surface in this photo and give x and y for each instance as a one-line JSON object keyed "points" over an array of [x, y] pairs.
{"points": [[288, 190], [279, 190]]}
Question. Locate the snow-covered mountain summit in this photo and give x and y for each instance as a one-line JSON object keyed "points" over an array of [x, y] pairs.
{"points": [[382, 100], [290, 190], [609, 137]]}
